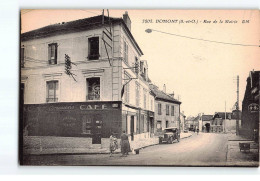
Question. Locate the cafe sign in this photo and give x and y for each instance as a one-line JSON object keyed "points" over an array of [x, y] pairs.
{"points": [[253, 108]]}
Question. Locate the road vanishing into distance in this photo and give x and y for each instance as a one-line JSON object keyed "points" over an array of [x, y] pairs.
{"points": [[204, 149]]}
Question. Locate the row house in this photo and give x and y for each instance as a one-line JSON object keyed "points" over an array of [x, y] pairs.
{"points": [[85, 78], [167, 110]]}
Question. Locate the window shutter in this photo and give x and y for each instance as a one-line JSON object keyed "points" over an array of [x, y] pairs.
{"points": [[49, 52], [56, 50]]}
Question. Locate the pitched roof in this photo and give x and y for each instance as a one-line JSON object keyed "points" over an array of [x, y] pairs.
{"points": [[160, 95], [75, 26], [229, 115], [206, 117]]}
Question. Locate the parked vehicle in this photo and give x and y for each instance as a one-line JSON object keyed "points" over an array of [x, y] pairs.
{"points": [[170, 135]]}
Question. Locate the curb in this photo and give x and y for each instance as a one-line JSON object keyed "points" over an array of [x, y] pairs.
{"points": [[87, 153]]}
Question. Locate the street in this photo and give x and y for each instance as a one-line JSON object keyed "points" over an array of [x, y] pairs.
{"points": [[205, 149]]}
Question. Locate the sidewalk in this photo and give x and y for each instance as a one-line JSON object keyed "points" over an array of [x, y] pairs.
{"points": [[235, 157], [70, 151]]}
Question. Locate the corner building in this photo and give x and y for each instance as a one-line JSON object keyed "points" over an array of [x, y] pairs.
{"points": [[101, 88]]}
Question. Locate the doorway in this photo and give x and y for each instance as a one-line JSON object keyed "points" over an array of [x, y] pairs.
{"points": [[97, 130], [207, 125], [132, 127]]}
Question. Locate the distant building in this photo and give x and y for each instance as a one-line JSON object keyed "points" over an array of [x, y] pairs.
{"points": [[167, 110], [250, 106], [225, 122], [182, 121], [206, 121], [192, 123]]}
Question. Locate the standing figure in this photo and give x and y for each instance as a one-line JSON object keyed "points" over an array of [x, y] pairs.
{"points": [[113, 144], [124, 144], [198, 130]]}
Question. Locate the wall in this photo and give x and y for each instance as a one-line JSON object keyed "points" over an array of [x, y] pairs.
{"points": [[72, 119], [37, 70], [173, 121]]}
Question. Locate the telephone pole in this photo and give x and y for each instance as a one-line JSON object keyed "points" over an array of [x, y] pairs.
{"points": [[237, 120]]}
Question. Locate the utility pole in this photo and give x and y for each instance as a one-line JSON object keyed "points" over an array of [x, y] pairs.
{"points": [[224, 126], [237, 120]]}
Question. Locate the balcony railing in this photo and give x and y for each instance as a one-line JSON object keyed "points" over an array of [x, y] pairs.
{"points": [[93, 97]]}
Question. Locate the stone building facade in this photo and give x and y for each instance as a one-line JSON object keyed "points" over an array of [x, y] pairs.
{"points": [[85, 78], [167, 110]]}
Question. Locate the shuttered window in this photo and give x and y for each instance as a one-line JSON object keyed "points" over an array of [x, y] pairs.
{"points": [[52, 53], [52, 91], [93, 48]]}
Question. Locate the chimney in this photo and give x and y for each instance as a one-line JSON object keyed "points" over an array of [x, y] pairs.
{"points": [[172, 95], [164, 88], [127, 20]]}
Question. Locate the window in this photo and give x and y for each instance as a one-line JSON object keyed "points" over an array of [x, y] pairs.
{"points": [[167, 109], [167, 124], [172, 110], [144, 74], [52, 52], [141, 66], [159, 126], [136, 65], [125, 52], [93, 88], [93, 48], [145, 98], [52, 91], [86, 125], [126, 93], [22, 57], [159, 109], [137, 93]]}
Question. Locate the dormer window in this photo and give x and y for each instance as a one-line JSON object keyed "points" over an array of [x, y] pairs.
{"points": [[93, 48], [52, 53]]}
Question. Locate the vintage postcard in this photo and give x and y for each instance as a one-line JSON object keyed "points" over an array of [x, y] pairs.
{"points": [[139, 87]]}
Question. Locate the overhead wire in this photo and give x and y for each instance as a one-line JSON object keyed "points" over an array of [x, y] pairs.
{"points": [[201, 39]]}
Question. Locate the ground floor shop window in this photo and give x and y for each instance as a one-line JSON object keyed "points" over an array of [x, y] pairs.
{"points": [[86, 125], [93, 88], [159, 126], [52, 91]]}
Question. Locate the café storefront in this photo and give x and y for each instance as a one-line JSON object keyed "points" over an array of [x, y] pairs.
{"points": [[94, 120]]}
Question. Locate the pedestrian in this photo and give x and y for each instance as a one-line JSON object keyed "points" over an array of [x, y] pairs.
{"points": [[113, 144], [125, 146], [198, 130]]}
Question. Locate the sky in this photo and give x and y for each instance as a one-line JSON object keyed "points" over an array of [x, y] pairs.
{"points": [[201, 74]]}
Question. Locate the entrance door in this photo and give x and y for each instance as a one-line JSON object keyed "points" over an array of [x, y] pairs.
{"points": [[151, 125], [132, 127], [97, 130], [207, 125]]}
